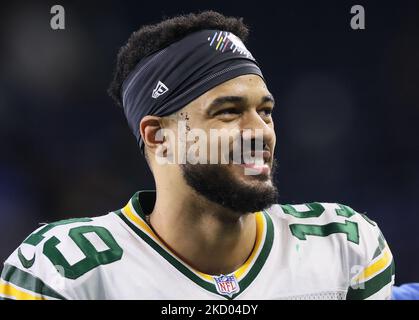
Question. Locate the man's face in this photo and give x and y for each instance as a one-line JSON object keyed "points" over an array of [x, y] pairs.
{"points": [[240, 105]]}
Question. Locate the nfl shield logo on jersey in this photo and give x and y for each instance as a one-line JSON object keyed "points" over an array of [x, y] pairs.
{"points": [[227, 285]]}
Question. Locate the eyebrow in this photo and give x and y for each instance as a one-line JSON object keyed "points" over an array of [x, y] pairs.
{"points": [[237, 99], [268, 98]]}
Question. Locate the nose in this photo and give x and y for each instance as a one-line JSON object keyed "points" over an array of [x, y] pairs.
{"points": [[255, 127]]}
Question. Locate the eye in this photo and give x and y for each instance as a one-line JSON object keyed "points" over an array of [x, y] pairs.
{"points": [[227, 112], [266, 112]]}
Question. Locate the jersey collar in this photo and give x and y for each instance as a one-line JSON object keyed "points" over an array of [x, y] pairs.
{"points": [[133, 214]]}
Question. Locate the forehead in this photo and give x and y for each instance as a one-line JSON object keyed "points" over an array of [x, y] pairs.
{"points": [[252, 87]]}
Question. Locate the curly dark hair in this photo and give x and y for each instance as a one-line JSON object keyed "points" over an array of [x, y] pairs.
{"points": [[150, 38]]}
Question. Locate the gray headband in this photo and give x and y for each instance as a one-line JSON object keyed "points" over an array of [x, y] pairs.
{"points": [[167, 80]]}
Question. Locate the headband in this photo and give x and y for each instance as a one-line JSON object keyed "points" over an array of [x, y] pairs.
{"points": [[167, 80]]}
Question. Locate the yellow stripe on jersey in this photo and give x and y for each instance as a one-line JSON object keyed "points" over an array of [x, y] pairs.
{"points": [[260, 228], [129, 212], [241, 272], [377, 266], [10, 291], [134, 217]]}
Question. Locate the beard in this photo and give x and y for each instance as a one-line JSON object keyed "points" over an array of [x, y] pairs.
{"points": [[218, 184]]}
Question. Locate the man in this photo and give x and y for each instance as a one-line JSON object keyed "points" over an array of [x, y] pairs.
{"points": [[213, 228]]}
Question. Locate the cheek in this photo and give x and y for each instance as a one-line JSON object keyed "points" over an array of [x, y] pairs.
{"points": [[273, 140], [273, 133]]}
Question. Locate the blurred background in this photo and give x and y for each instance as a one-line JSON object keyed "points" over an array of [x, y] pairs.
{"points": [[347, 115]]}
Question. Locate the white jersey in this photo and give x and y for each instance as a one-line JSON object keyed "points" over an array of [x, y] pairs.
{"points": [[309, 251]]}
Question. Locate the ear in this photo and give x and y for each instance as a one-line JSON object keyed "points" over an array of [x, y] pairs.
{"points": [[149, 126]]}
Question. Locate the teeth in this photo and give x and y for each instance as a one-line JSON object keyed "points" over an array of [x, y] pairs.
{"points": [[249, 156]]}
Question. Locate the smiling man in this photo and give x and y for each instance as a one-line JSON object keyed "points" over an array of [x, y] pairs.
{"points": [[213, 229]]}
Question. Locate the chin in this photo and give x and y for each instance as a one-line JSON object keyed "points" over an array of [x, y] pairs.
{"points": [[229, 186]]}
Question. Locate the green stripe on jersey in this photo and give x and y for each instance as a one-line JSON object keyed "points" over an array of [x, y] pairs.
{"points": [[261, 259], [178, 265], [27, 281], [373, 285]]}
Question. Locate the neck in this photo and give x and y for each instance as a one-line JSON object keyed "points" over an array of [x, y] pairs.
{"points": [[207, 236]]}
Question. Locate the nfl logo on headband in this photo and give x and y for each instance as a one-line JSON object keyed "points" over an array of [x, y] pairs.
{"points": [[227, 285]]}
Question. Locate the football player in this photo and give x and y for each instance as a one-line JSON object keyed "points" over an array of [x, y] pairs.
{"points": [[210, 230]]}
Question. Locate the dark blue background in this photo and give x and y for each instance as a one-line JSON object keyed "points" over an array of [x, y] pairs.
{"points": [[347, 111]]}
